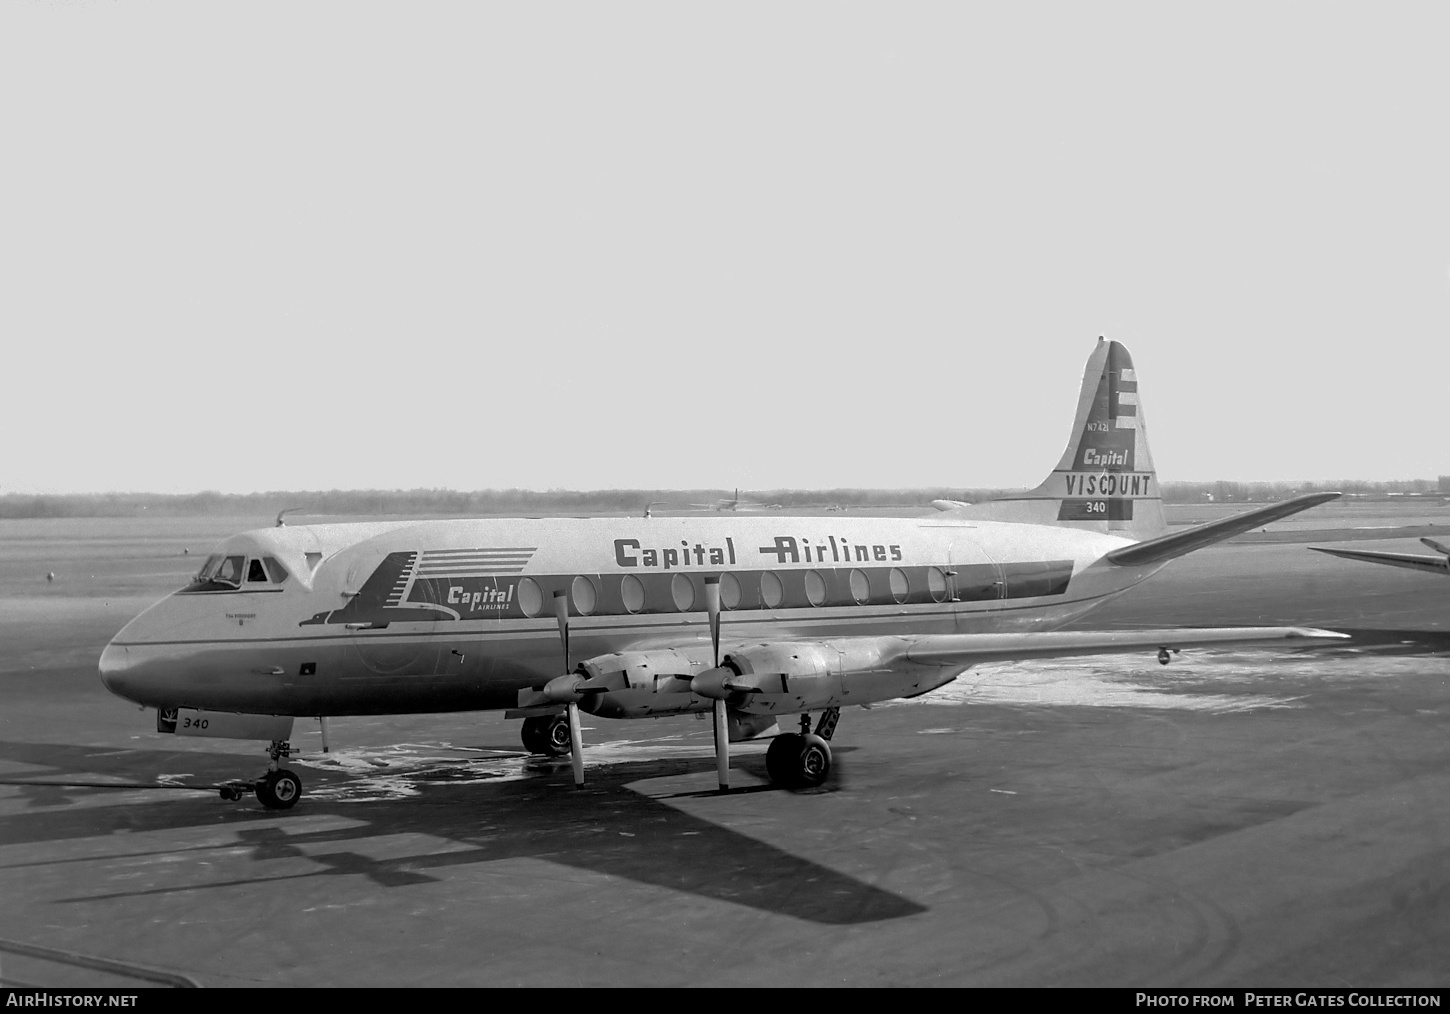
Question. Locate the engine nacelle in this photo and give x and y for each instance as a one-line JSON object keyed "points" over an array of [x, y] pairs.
{"points": [[784, 677], [642, 684]]}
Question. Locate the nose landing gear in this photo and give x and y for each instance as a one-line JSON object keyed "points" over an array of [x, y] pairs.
{"points": [[277, 789]]}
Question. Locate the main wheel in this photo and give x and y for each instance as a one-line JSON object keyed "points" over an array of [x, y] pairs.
{"points": [[814, 762], [781, 759], [280, 790], [557, 738]]}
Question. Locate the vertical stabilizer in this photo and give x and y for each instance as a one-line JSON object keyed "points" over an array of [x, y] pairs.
{"points": [[1105, 481]]}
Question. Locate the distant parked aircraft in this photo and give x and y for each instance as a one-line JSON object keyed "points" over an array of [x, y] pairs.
{"points": [[733, 503]]}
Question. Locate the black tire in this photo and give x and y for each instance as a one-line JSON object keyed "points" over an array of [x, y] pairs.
{"points": [[557, 739], [781, 759], [813, 763], [532, 734], [280, 790]]}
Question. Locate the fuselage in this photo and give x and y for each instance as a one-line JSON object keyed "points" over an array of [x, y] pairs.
{"points": [[426, 616]]}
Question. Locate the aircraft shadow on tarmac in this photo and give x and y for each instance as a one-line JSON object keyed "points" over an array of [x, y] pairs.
{"points": [[606, 828]]}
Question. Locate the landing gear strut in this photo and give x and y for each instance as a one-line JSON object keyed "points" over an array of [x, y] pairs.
{"points": [[277, 789], [802, 760], [547, 734]]}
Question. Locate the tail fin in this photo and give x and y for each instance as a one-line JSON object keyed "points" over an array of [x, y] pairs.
{"points": [[1105, 481]]}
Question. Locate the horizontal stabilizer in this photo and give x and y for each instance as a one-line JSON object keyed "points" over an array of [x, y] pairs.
{"points": [[1166, 547], [1411, 561], [972, 649]]}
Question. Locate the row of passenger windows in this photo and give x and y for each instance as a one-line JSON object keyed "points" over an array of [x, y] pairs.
{"points": [[585, 596]]}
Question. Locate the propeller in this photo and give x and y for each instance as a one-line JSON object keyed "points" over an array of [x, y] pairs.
{"points": [[562, 688], [722, 731]]}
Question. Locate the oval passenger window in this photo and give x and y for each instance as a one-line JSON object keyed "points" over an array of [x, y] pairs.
{"points": [[899, 586], [631, 590], [682, 590], [815, 588], [584, 596], [772, 592], [531, 597], [729, 591]]}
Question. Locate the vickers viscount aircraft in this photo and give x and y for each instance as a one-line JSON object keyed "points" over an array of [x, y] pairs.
{"points": [[1411, 561], [752, 619]]}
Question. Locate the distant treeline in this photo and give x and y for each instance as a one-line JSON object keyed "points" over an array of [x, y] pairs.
{"points": [[527, 501]]}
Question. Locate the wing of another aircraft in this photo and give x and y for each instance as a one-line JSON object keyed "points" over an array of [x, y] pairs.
{"points": [[1410, 561]]}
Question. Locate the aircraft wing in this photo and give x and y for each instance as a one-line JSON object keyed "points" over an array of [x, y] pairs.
{"points": [[1166, 547], [1411, 561], [971, 649]]}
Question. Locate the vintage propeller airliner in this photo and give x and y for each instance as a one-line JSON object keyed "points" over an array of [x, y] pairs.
{"points": [[749, 618]]}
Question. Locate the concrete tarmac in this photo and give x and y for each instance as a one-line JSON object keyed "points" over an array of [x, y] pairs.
{"points": [[1232, 819]]}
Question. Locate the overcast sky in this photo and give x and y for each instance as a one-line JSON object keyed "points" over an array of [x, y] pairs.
{"points": [[315, 245]]}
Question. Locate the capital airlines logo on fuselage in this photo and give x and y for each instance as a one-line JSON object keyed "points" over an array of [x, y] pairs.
{"points": [[785, 549]]}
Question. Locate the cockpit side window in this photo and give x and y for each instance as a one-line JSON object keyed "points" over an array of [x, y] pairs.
{"points": [[276, 570], [209, 568], [256, 572]]}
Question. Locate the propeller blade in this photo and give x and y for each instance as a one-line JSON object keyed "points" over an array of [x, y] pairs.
{"points": [[1438, 547], [722, 746], [561, 612], [576, 747], [712, 608], [576, 739]]}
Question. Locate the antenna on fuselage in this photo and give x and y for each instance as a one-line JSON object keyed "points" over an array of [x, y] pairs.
{"points": [[286, 510]]}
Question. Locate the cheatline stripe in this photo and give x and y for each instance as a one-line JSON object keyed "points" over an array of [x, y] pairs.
{"points": [[507, 550], [479, 558]]}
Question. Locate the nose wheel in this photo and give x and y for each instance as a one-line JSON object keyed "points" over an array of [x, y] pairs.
{"points": [[278, 789]]}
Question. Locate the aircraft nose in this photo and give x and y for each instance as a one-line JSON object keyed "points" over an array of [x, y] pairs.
{"points": [[115, 663]]}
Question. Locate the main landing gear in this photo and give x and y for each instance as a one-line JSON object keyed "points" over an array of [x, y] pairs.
{"points": [[546, 734], [277, 789], [802, 760]]}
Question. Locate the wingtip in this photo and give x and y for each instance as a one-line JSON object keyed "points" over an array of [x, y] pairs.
{"points": [[1318, 634]]}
